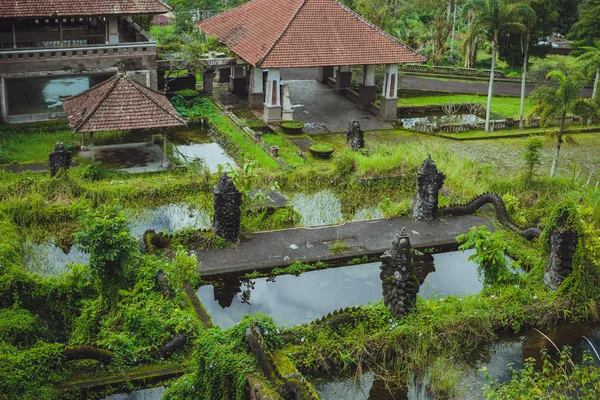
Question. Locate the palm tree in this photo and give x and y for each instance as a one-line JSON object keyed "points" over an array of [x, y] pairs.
{"points": [[554, 102], [492, 16], [591, 62], [528, 19]]}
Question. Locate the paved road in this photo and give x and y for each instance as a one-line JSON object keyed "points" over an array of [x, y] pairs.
{"points": [[266, 250], [432, 83]]}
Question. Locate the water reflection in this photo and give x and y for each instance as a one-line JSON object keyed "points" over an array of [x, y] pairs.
{"points": [[145, 394], [437, 120], [299, 299], [168, 219], [210, 154], [48, 259]]}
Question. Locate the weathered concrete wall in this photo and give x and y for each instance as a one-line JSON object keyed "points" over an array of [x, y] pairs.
{"points": [[76, 61]]}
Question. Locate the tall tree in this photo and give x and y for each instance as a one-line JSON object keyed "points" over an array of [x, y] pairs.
{"points": [[439, 14], [554, 102], [511, 44], [587, 30], [590, 60], [528, 19], [567, 15], [494, 16]]}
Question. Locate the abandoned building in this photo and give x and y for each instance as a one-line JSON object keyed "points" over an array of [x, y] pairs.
{"points": [[59, 48]]}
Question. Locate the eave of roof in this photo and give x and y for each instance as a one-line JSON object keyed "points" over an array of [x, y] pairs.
{"points": [[63, 8]]}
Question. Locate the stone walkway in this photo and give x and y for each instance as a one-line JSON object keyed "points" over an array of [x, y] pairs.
{"points": [[267, 250]]}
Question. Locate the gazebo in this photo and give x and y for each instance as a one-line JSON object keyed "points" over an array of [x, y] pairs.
{"points": [[273, 34], [120, 103]]}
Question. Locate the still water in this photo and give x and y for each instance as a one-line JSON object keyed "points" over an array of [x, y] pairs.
{"points": [[300, 299], [145, 394]]}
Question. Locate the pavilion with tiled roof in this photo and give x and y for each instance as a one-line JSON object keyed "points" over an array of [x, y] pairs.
{"points": [[120, 103], [274, 34]]}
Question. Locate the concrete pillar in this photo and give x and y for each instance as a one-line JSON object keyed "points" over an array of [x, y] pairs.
{"points": [[237, 80], [272, 108], [367, 92], [324, 74], [344, 77], [165, 163], [207, 81], [3, 101], [113, 29], [224, 74], [388, 104], [256, 94]]}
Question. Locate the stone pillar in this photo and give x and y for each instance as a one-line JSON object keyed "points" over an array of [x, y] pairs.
{"points": [[429, 182], [113, 29], [399, 283], [224, 74], [227, 213], [287, 113], [388, 103], [165, 163], [344, 77], [324, 74], [367, 92], [207, 81], [272, 108], [256, 94], [3, 101], [237, 79]]}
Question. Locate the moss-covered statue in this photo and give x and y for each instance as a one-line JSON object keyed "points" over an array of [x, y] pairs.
{"points": [[430, 181], [399, 283], [355, 137], [561, 235], [59, 159], [227, 212]]}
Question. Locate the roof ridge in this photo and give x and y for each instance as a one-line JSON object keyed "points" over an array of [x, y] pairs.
{"points": [[225, 12], [143, 91], [378, 29], [93, 110], [86, 90], [287, 26]]}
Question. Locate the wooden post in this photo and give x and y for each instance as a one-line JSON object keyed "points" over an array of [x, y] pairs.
{"points": [[92, 145], [83, 148], [106, 31], [60, 30], [14, 32], [165, 160]]}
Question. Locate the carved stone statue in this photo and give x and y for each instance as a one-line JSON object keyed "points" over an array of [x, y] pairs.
{"points": [[59, 159], [430, 181], [227, 212], [355, 137], [399, 283], [563, 244]]}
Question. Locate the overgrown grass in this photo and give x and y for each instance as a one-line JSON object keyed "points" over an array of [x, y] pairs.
{"points": [[287, 150], [31, 143]]}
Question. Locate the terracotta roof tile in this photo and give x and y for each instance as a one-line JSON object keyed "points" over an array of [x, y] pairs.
{"points": [[47, 8], [119, 103], [305, 33]]}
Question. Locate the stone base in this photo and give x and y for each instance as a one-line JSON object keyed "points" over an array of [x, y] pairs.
{"points": [[287, 115], [324, 74], [388, 109], [272, 114], [237, 85], [207, 82], [256, 100], [343, 80], [366, 95], [224, 74], [84, 148]]}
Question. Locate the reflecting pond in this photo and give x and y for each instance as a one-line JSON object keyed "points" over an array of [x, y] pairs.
{"points": [[48, 259], [321, 208], [437, 120], [193, 144], [168, 219], [294, 300]]}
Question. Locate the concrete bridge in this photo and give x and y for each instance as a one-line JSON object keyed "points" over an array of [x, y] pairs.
{"points": [[267, 250]]}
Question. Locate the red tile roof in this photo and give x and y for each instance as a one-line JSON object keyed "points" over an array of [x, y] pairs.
{"points": [[119, 103], [48, 8], [305, 33]]}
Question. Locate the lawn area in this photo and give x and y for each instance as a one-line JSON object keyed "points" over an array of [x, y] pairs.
{"points": [[27, 144], [507, 106]]}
